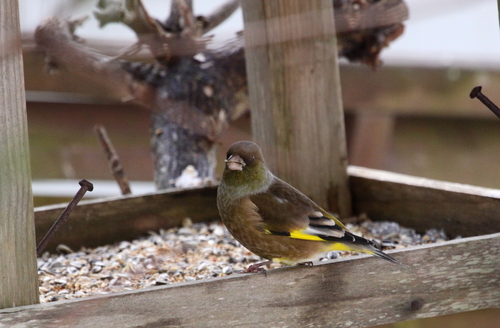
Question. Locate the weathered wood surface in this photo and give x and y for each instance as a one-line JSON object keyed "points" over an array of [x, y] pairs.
{"points": [[295, 98], [18, 275], [456, 276], [461, 210], [104, 221], [413, 202], [419, 89]]}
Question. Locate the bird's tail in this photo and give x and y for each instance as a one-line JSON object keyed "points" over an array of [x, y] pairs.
{"points": [[379, 253], [363, 245]]}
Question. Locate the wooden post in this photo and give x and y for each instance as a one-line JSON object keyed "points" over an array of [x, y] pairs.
{"points": [[294, 85], [18, 271]]}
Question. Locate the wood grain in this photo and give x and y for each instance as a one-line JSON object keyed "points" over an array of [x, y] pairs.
{"points": [[456, 276], [294, 88], [104, 221], [18, 272], [461, 210]]}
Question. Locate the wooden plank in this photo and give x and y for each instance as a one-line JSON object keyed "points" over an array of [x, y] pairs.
{"points": [[456, 276], [415, 89], [419, 90], [104, 221], [294, 88], [18, 272], [461, 210]]}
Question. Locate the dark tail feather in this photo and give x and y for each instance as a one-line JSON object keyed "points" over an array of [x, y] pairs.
{"points": [[381, 254], [367, 246], [360, 244]]}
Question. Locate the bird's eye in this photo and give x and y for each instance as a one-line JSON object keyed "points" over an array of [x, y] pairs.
{"points": [[250, 160]]}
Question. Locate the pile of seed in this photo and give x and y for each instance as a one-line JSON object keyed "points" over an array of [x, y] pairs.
{"points": [[192, 252]]}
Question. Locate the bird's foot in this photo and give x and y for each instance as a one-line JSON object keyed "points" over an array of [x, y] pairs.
{"points": [[308, 263], [257, 268]]}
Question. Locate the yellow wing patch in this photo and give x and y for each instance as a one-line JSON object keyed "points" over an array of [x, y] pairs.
{"points": [[299, 234], [341, 247], [332, 246]]}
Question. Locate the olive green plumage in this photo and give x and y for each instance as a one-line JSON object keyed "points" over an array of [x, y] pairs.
{"points": [[273, 219]]}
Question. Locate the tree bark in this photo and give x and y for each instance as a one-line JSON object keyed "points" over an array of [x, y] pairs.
{"points": [[193, 102]]}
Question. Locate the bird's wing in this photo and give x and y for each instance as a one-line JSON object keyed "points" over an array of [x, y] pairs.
{"points": [[285, 211]]}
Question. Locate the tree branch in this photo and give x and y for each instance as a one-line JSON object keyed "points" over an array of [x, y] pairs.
{"points": [[163, 44], [173, 23], [219, 15], [115, 164]]}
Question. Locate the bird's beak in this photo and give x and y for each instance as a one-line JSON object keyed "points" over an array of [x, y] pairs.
{"points": [[235, 163]]}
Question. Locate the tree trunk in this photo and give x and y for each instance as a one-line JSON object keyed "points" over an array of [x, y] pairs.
{"points": [[174, 148], [193, 102]]}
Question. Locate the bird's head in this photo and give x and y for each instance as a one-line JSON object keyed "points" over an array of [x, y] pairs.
{"points": [[246, 167]]}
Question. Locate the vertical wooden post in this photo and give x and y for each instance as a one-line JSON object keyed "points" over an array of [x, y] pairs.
{"points": [[294, 85], [18, 271]]}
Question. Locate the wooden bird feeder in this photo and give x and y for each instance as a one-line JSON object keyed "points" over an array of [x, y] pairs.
{"points": [[444, 278]]}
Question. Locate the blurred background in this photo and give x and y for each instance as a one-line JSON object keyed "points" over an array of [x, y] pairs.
{"points": [[413, 115]]}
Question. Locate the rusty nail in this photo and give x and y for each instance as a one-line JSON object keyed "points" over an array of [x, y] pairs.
{"points": [[84, 187], [476, 93]]}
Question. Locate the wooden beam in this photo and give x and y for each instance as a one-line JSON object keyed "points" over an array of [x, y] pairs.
{"points": [[419, 90], [456, 276], [294, 87], [419, 203], [18, 271], [104, 221]]}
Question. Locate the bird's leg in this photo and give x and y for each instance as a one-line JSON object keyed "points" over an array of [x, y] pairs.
{"points": [[257, 267], [308, 263]]}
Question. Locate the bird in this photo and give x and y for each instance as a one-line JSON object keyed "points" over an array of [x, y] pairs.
{"points": [[276, 221]]}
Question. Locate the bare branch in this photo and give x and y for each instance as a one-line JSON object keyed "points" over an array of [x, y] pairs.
{"points": [[54, 37], [173, 23], [219, 15], [351, 15], [162, 43], [189, 26], [115, 164], [61, 48]]}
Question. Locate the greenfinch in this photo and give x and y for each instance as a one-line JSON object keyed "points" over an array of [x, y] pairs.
{"points": [[273, 219]]}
